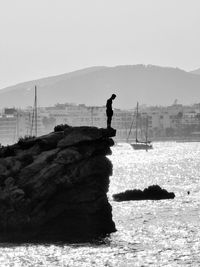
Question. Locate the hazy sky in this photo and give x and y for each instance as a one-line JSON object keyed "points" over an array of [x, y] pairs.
{"points": [[41, 38]]}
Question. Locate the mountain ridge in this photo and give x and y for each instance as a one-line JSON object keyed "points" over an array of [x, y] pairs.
{"points": [[197, 71], [148, 84]]}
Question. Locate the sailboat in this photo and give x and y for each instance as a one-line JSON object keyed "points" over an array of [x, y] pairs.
{"points": [[141, 145]]}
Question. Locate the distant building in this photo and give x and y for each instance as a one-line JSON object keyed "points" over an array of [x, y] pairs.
{"points": [[163, 122], [18, 123]]}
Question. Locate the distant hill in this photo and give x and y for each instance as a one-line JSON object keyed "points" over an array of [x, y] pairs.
{"points": [[197, 71], [151, 85]]}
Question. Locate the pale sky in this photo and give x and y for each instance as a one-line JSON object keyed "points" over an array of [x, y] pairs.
{"points": [[41, 38]]}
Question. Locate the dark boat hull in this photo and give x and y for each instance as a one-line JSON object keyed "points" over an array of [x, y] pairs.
{"points": [[141, 146]]}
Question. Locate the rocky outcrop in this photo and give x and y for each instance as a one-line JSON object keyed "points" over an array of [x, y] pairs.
{"points": [[153, 192], [54, 187]]}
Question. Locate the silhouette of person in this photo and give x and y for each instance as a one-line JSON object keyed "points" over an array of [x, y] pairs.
{"points": [[109, 111]]}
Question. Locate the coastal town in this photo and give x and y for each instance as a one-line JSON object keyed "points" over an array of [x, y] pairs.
{"points": [[174, 122]]}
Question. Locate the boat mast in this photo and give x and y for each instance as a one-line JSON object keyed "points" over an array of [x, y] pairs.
{"points": [[136, 134], [34, 114], [130, 130], [147, 129], [35, 110]]}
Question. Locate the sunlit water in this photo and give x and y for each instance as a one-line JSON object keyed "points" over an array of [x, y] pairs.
{"points": [[150, 233]]}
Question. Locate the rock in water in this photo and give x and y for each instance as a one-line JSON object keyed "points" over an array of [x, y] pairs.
{"points": [[153, 192], [53, 187]]}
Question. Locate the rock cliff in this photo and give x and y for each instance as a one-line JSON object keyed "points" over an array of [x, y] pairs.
{"points": [[54, 187]]}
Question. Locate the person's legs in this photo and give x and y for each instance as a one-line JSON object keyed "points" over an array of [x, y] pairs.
{"points": [[109, 119]]}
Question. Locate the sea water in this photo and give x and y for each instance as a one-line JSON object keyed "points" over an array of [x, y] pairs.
{"points": [[149, 233]]}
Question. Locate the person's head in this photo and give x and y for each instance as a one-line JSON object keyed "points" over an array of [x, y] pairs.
{"points": [[113, 96]]}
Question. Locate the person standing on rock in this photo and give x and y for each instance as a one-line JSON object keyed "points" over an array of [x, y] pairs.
{"points": [[109, 110]]}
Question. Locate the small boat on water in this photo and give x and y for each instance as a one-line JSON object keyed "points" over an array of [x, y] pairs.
{"points": [[141, 145]]}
